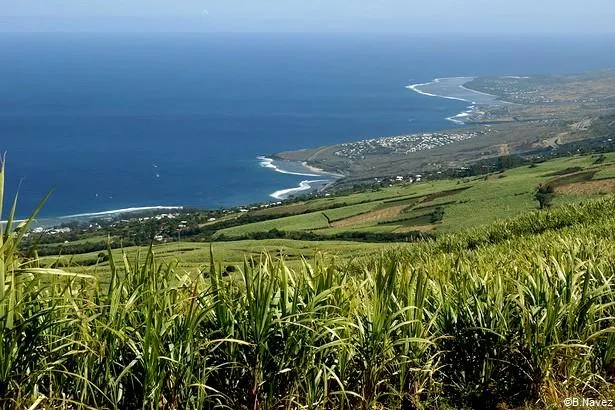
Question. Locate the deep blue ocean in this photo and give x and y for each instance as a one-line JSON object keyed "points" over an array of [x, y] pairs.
{"points": [[129, 120]]}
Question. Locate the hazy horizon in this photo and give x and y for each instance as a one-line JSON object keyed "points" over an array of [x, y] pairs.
{"points": [[387, 16]]}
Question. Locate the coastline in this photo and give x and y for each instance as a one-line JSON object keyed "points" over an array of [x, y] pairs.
{"points": [[416, 89], [451, 85], [456, 118], [299, 168], [122, 211], [325, 180], [321, 171], [322, 179], [89, 216], [267, 162], [304, 185]]}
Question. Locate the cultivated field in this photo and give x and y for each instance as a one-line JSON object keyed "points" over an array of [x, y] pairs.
{"points": [[517, 313]]}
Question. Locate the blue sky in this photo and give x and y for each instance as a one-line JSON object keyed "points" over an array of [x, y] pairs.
{"points": [[430, 16]]}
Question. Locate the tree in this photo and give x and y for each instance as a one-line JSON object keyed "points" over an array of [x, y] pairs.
{"points": [[600, 159], [437, 215], [544, 195]]}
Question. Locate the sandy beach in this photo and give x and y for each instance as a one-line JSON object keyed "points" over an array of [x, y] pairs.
{"points": [[320, 171]]}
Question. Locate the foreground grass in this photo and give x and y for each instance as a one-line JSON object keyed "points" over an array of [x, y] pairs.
{"points": [[518, 312]]}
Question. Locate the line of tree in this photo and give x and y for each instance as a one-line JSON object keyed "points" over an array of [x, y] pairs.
{"points": [[355, 236]]}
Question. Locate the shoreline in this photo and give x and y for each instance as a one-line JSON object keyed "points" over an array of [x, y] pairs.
{"points": [[50, 221], [471, 109], [266, 162], [330, 178], [120, 211], [321, 171], [326, 178], [463, 114], [304, 185]]}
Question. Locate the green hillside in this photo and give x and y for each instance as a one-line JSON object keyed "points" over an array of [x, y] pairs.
{"points": [[349, 225], [491, 313], [466, 202]]}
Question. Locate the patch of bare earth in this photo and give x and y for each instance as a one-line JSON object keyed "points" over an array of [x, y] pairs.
{"points": [[418, 228], [587, 188], [504, 149], [391, 212], [372, 216]]}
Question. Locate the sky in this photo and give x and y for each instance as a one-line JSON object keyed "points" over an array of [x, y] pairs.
{"points": [[425, 16]]}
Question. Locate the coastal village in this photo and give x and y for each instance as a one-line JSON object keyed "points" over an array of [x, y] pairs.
{"points": [[403, 144], [167, 225]]}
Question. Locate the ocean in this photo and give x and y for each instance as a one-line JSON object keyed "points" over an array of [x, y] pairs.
{"points": [[116, 121]]}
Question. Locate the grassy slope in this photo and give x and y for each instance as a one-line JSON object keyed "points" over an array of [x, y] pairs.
{"points": [[313, 220], [193, 257], [500, 195], [517, 312]]}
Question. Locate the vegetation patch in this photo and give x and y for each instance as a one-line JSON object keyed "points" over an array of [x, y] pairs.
{"points": [[565, 171], [372, 216], [296, 209], [441, 194], [415, 228], [570, 178], [402, 199], [409, 221], [431, 206], [409, 202]]}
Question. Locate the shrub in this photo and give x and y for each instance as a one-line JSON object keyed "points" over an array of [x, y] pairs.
{"points": [[544, 195]]}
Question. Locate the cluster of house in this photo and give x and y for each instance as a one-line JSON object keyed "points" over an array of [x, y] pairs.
{"points": [[409, 178], [510, 89], [401, 144], [160, 238], [261, 206], [50, 231], [400, 178], [146, 218], [529, 97]]}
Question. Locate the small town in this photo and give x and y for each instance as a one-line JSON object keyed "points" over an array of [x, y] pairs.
{"points": [[403, 144]]}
